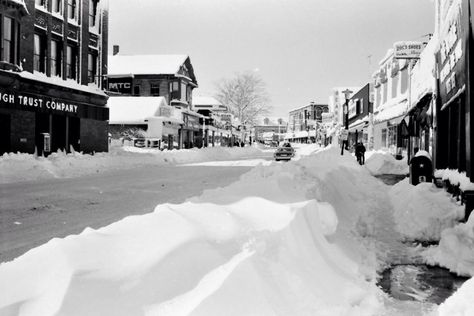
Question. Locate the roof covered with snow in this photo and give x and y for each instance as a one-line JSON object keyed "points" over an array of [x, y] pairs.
{"points": [[133, 110], [149, 65], [210, 103]]}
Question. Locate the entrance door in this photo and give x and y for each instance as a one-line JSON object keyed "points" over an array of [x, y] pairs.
{"points": [[41, 126], [74, 133], [5, 144], [59, 132]]}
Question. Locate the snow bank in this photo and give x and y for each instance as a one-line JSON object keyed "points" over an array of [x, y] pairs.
{"points": [[455, 250], [423, 211], [22, 167], [291, 239], [381, 162], [460, 303], [455, 178]]}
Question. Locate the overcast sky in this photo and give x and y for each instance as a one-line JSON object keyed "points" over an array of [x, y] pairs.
{"points": [[301, 48]]}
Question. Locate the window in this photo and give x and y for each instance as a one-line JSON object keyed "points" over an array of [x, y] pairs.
{"points": [[392, 136], [395, 80], [71, 62], [39, 53], [174, 86], [40, 3], [136, 90], [71, 9], [57, 6], [183, 91], [91, 67], [92, 12], [56, 58], [8, 39], [384, 137], [155, 89]]}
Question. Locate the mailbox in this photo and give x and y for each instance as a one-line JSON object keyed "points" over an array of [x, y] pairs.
{"points": [[421, 169]]}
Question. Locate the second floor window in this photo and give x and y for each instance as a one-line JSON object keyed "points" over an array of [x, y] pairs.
{"points": [[155, 89], [57, 6], [92, 12], [8, 40], [91, 67], [56, 58], [71, 62], [39, 53], [71, 9], [40, 3]]}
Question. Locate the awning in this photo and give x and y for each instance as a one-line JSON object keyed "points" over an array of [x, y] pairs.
{"points": [[391, 111], [359, 124]]}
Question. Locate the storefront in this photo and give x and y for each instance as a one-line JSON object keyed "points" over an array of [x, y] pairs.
{"points": [[453, 116], [39, 116], [191, 132]]}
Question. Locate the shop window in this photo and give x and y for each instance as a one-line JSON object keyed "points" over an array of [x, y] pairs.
{"points": [[392, 136], [136, 90], [155, 89], [57, 6], [384, 137], [71, 62], [92, 12], [71, 9], [9, 41], [39, 54], [56, 58], [91, 67]]}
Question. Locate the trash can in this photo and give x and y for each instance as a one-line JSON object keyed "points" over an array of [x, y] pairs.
{"points": [[421, 168]]}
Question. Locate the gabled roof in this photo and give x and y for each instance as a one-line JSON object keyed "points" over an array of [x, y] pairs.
{"points": [[150, 65], [133, 110]]}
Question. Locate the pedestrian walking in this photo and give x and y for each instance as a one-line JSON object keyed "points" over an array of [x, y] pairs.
{"points": [[360, 153]]}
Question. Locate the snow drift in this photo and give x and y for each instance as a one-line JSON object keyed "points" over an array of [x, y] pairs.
{"points": [[282, 240]]}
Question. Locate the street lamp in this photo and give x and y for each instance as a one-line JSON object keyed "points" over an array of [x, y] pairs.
{"points": [[345, 133]]}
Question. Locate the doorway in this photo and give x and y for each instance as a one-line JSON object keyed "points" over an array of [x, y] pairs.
{"points": [[5, 129], [41, 127]]}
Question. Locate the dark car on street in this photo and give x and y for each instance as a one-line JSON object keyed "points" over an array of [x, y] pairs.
{"points": [[284, 153]]}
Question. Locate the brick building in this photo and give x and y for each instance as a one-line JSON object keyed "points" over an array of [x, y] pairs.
{"points": [[304, 122], [53, 56]]}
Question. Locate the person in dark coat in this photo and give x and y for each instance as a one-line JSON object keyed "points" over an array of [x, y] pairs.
{"points": [[360, 153]]}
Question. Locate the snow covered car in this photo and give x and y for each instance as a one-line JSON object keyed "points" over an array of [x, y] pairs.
{"points": [[284, 153]]}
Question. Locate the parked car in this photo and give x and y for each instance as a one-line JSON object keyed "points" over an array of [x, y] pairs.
{"points": [[284, 153]]}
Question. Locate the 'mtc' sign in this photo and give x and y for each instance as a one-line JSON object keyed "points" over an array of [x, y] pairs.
{"points": [[120, 85]]}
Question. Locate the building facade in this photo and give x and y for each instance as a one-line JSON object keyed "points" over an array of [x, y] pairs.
{"points": [[360, 115], [304, 122], [53, 56], [270, 131], [391, 105], [454, 113]]}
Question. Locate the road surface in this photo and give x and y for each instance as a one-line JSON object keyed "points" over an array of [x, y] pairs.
{"points": [[31, 213]]}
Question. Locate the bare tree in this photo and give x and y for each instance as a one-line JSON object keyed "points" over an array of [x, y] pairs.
{"points": [[245, 96]]}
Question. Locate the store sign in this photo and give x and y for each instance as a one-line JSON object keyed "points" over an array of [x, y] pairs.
{"points": [[30, 102], [451, 52], [120, 85], [407, 50]]}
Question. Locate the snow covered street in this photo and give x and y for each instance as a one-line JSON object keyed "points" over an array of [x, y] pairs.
{"points": [[308, 237]]}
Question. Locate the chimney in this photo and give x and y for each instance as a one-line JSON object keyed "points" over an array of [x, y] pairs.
{"points": [[116, 49]]}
